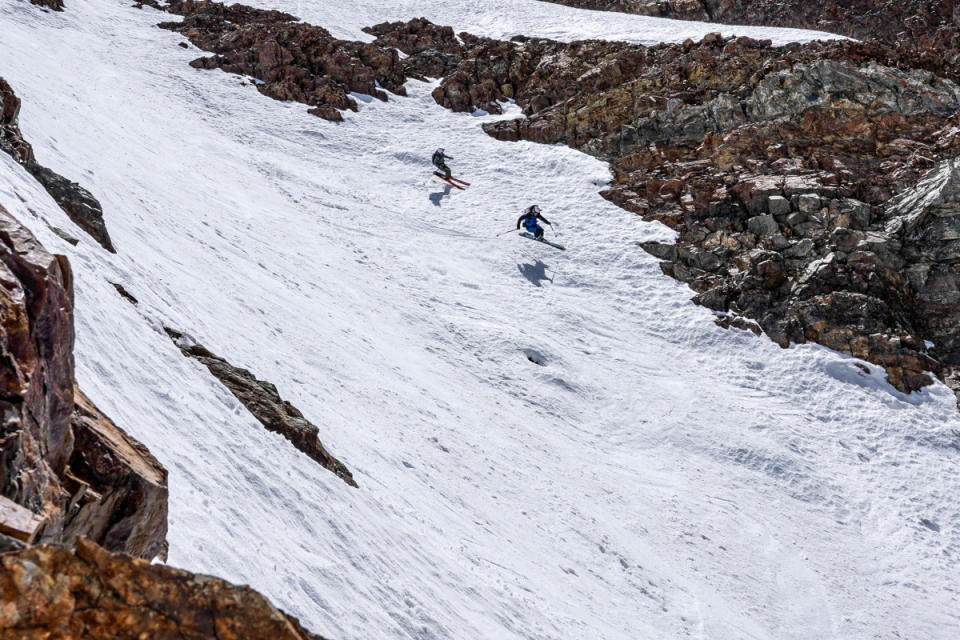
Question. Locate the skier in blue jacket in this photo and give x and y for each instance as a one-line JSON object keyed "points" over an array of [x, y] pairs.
{"points": [[530, 219]]}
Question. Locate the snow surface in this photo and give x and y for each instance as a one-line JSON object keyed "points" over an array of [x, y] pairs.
{"points": [[654, 477]]}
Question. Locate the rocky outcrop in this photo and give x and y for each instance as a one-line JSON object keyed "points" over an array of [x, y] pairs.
{"points": [[78, 203], [56, 5], [917, 24], [289, 59], [56, 592], [61, 459], [118, 489], [265, 404]]}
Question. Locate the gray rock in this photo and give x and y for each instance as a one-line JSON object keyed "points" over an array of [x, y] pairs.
{"points": [[762, 225], [778, 206], [808, 202], [800, 249]]}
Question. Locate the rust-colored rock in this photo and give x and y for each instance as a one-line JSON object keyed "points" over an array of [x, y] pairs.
{"points": [[60, 457], [55, 592], [119, 490]]}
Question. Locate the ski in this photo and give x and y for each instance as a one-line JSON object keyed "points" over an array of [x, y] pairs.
{"points": [[463, 182], [547, 242], [443, 179]]}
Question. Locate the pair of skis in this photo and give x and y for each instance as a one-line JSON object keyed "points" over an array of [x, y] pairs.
{"points": [[530, 236], [453, 182]]}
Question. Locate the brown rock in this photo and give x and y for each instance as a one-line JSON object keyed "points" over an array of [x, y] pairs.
{"points": [[294, 60], [60, 458], [54, 592]]}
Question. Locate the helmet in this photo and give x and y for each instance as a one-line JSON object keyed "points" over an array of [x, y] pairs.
{"points": [[440, 150], [533, 209]]}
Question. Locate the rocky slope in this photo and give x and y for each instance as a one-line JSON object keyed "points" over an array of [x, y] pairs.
{"points": [[920, 24], [72, 482], [293, 60], [55, 592], [775, 165]]}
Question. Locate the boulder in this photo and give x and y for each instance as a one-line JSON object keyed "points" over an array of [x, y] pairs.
{"points": [[52, 591]]}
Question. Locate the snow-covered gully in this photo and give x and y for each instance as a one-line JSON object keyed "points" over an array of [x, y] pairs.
{"points": [[548, 445]]}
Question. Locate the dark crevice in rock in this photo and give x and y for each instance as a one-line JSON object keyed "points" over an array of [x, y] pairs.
{"points": [[265, 404], [78, 203]]}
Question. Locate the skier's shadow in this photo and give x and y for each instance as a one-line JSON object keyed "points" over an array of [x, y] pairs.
{"points": [[437, 196], [536, 273]]}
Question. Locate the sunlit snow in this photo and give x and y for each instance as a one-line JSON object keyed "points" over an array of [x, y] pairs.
{"points": [[653, 476]]}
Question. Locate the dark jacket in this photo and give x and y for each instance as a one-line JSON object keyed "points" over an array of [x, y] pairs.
{"points": [[439, 157], [529, 220]]}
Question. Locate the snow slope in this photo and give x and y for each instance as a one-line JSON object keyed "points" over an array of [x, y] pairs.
{"points": [[657, 476]]}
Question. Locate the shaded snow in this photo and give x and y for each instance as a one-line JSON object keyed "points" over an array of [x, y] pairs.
{"points": [[589, 457]]}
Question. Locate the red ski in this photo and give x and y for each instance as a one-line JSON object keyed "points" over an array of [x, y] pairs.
{"points": [[450, 181]]}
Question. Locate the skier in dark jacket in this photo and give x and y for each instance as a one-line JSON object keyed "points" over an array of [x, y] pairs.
{"points": [[438, 161], [529, 220]]}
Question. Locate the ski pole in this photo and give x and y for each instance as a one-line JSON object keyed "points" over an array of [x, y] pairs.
{"points": [[505, 232]]}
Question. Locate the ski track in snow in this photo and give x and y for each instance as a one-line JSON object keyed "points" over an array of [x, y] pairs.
{"points": [[654, 477]]}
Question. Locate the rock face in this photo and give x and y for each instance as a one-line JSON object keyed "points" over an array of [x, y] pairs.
{"points": [[61, 459], [78, 203], [291, 60], [264, 402], [920, 24], [55, 592]]}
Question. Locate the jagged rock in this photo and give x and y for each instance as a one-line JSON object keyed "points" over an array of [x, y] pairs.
{"points": [[433, 51], [119, 489], [293, 60], [265, 404], [78, 203], [55, 592], [61, 459], [56, 5]]}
